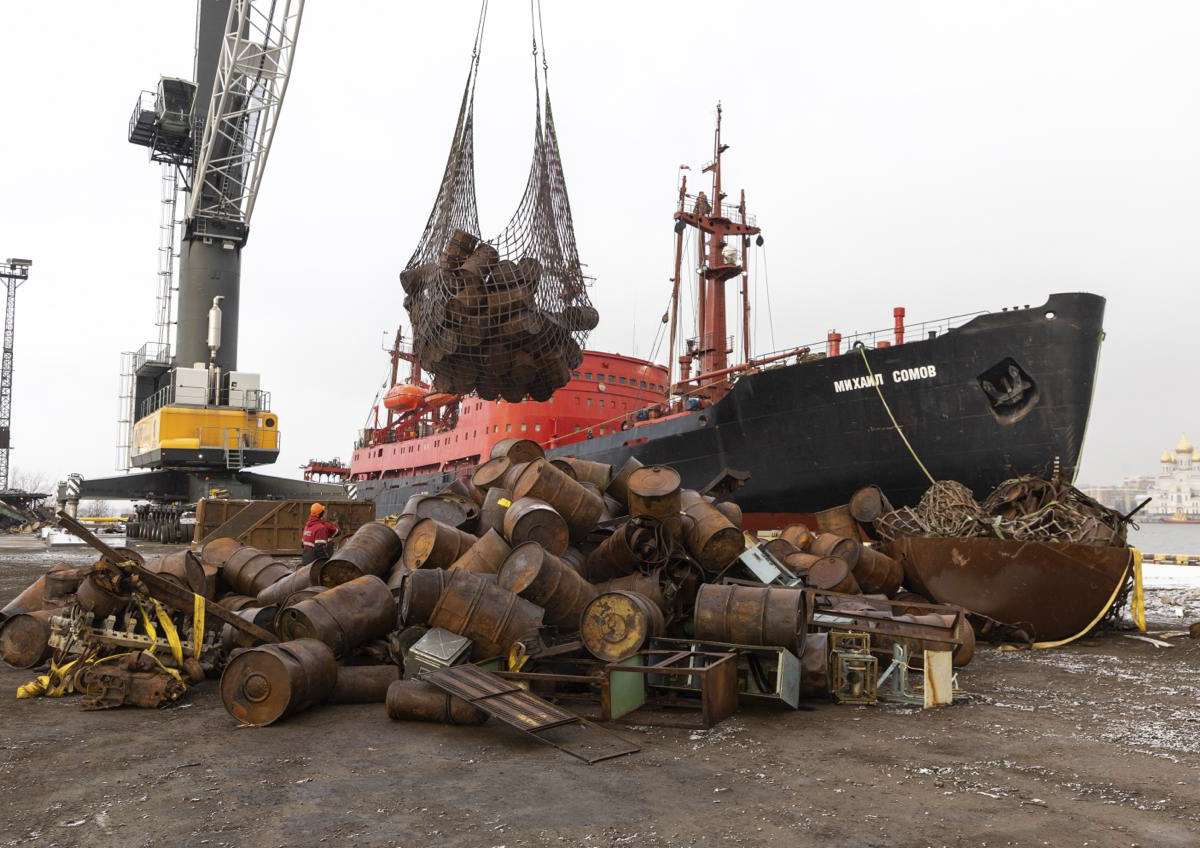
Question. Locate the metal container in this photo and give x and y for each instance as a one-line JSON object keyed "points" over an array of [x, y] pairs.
{"points": [[613, 557], [495, 504], [750, 615], [218, 551], [512, 475], [826, 544], [565, 467], [262, 685], [877, 573], [416, 700], [449, 508], [911, 597], [296, 597], [654, 492], [485, 556], [233, 603], [60, 583], [373, 549], [492, 617], [839, 522], [342, 617], [363, 684], [33, 598], [263, 616], [460, 488], [575, 560], [182, 568], [100, 601], [709, 537], [518, 450], [248, 571], [587, 471], [780, 548], [281, 590], [799, 563], [419, 594], [544, 579], [868, 503], [647, 585], [490, 474], [25, 639], [432, 544], [799, 535], [534, 520], [616, 625], [618, 487], [731, 511], [580, 507], [404, 526], [832, 574]]}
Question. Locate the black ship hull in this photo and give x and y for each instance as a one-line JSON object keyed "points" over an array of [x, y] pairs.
{"points": [[1007, 393]]}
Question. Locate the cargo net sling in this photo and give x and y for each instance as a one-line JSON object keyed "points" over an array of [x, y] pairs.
{"points": [[508, 317]]}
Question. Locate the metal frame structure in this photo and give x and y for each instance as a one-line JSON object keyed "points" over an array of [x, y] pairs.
{"points": [[14, 272], [252, 77]]}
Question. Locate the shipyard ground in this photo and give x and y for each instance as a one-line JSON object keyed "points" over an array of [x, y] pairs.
{"points": [[1097, 744]]}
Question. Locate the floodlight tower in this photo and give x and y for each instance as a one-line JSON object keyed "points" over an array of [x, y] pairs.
{"points": [[14, 272]]}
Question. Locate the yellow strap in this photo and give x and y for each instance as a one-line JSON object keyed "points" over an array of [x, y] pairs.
{"points": [[170, 631], [197, 624], [1137, 604], [871, 376], [151, 630], [1103, 612]]}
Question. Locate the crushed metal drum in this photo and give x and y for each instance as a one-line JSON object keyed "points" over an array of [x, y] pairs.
{"points": [[868, 503]]}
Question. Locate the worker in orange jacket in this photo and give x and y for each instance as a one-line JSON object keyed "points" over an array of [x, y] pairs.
{"points": [[317, 539]]}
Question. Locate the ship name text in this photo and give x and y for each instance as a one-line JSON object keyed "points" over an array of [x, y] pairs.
{"points": [[902, 375]]}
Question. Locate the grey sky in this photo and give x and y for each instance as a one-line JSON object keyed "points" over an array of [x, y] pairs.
{"points": [[944, 156]]}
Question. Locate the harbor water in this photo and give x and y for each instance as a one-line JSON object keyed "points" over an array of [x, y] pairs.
{"points": [[1166, 538]]}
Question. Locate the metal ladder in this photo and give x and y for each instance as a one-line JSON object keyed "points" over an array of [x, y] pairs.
{"points": [[234, 458]]}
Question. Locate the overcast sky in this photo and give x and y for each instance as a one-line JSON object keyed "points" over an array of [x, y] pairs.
{"points": [[944, 156]]}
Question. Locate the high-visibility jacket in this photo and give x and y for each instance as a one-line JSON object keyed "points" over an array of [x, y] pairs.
{"points": [[318, 532]]}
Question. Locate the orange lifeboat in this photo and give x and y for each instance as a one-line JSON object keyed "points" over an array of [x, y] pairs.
{"points": [[403, 396]]}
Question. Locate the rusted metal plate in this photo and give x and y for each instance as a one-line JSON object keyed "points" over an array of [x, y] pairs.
{"points": [[1055, 589]]}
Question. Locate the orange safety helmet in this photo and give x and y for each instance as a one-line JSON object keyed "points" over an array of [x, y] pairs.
{"points": [[316, 510]]}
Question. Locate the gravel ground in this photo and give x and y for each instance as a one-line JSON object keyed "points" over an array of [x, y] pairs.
{"points": [[1096, 744]]}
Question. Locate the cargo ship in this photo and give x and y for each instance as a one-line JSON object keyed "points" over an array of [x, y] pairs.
{"points": [[977, 398]]}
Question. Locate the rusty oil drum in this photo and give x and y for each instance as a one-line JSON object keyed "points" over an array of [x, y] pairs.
{"points": [[485, 556], [781, 549], [517, 450], [647, 585], [449, 508], [580, 507], [263, 616], [587, 471], [404, 526], [419, 593], [799, 535], [182, 568], [342, 617], [262, 685], [432, 544], [827, 544], [868, 503], [654, 492], [616, 625], [838, 521], [534, 520], [248, 571], [512, 475], [416, 700], [363, 684], [281, 590], [618, 487], [877, 573], [613, 557], [234, 602], [493, 618], [832, 574], [490, 474], [495, 504], [218, 551], [373, 549], [25, 639], [708, 536], [100, 601], [731, 511], [750, 615], [544, 579]]}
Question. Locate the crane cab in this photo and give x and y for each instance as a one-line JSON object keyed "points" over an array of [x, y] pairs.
{"points": [[162, 120], [173, 106]]}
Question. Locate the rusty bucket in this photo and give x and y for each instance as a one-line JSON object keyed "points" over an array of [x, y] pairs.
{"points": [[534, 520], [419, 594], [616, 625], [262, 685], [750, 615], [827, 544], [432, 544], [709, 537], [342, 617], [839, 522], [363, 684], [485, 556], [518, 450], [25, 639], [868, 503], [580, 507], [618, 487], [834, 575], [495, 504], [248, 571], [281, 590], [544, 579], [653, 492], [416, 700], [877, 573], [373, 549], [493, 618]]}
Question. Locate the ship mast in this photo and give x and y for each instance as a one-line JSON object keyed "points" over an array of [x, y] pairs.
{"points": [[714, 229]]}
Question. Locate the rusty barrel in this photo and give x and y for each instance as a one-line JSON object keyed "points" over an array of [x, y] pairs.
{"points": [[495, 504], [544, 579], [432, 544], [613, 557], [404, 526], [461, 488], [868, 503], [709, 537], [832, 574], [565, 467], [263, 616], [750, 615], [61, 583], [877, 573], [618, 487], [799, 562], [616, 625], [653, 492], [373, 549], [731, 511], [513, 474], [33, 598], [534, 520], [342, 617], [827, 544], [912, 598], [25, 639], [98, 599], [363, 684], [587, 471], [485, 556], [838, 521], [490, 474], [248, 571], [419, 594], [493, 618], [452, 509], [580, 507], [518, 450], [234, 602], [647, 585], [296, 597], [416, 700], [799, 535], [781, 549], [459, 245], [281, 590], [182, 568], [262, 685], [218, 551]]}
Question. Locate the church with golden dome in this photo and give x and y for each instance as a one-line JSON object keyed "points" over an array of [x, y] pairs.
{"points": [[1176, 489]]}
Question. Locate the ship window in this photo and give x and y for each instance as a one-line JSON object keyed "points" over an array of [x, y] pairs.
{"points": [[495, 428], [575, 374], [643, 385], [622, 381], [524, 427], [478, 406], [612, 378], [602, 403], [507, 428], [589, 401], [588, 376], [601, 431], [537, 428], [436, 442]]}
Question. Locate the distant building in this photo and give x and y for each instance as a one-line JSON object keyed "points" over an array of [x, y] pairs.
{"points": [[1176, 490], [1123, 497]]}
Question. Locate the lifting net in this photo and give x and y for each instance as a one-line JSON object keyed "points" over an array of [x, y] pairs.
{"points": [[507, 317]]}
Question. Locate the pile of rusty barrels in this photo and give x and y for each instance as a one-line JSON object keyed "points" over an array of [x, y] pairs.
{"points": [[497, 326]]}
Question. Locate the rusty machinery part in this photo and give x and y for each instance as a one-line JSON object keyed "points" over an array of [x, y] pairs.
{"points": [[533, 520], [136, 680], [649, 586], [92, 596], [262, 685], [182, 568], [868, 503], [25, 639], [218, 551], [512, 475], [616, 625], [363, 684], [750, 615], [587, 471], [580, 507], [281, 590], [33, 598], [485, 556], [416, 700], [731, 511], [496, 502], [827, 544], [877, 573], [373, 549], [492, 617], [263, 616], [654, 492], [432, 544], [833, 574], [838, 521], [343, 617], [618, 487], [799, 535], [709, 537], [517, 450], [780, 548], [248, 571], [419, 594], [542, 578], [451, 509]]}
